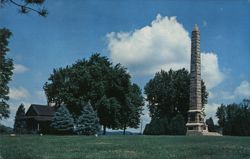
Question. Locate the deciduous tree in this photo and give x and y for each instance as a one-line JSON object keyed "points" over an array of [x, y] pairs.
{"points": [[108, 87], [237, 118], [25, 6], [6, 68], [108, 112], [132, 109], [221, 115], [168, 94]]}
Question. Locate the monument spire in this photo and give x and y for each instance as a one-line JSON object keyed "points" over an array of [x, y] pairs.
{"points": [[195, 124]]}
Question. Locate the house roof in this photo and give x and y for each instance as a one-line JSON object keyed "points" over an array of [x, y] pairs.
{"points": [[40, 118], [40, 110]]}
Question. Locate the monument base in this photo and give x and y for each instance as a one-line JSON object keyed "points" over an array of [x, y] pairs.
{"points": [[194, 129], [195, 133]]}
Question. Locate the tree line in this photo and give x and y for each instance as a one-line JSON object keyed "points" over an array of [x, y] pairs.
{"points": [[117, 102], [234, 119]]}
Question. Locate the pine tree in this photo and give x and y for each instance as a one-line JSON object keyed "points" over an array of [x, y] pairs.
{"points": [[63, 122], [20, 123], [88, 122]]}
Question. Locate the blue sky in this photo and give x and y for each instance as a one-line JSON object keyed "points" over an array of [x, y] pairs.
{"points": [[142, 35]]}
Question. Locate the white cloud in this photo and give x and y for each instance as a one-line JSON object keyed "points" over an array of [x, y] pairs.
{"points": [[13, 108], [161, 45], [19, 96], [210, 111], [18, 68], [18, 93], [240, 92], [164, 44], [243, 90], [145, 117], [226, 95], [210, 70]]}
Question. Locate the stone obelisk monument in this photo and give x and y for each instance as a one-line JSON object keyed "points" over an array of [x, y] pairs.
{"points": [[195, 124]]}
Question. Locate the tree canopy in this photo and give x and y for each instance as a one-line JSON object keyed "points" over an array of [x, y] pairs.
{"points": [[6, 67], [221, 115], [108, 87], [234, 119], [168, 102], [168, 94]]}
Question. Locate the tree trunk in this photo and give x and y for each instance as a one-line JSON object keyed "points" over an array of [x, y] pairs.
{"points": [[104, 130], [124, 129]]}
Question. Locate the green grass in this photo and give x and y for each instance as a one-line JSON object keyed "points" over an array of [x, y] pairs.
{"points": [[121, 147]]}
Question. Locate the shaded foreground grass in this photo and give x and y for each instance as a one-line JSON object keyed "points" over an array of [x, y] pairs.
{"points": [[123, 147]]}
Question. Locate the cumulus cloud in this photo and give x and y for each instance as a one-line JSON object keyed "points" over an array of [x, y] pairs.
{"points": [[163, 44], [18, 93], [225, 95], [18, 68], [243, 90], [13, 108], [240, 92], [210, 70]]}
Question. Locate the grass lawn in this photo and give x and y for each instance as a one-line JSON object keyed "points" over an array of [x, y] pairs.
{"points": [[118, 147]]}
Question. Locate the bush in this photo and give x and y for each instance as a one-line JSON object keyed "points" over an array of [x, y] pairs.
{"points": [[237, 118], [177, 125], [162, 126], [5, 129], [157, 127]]}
